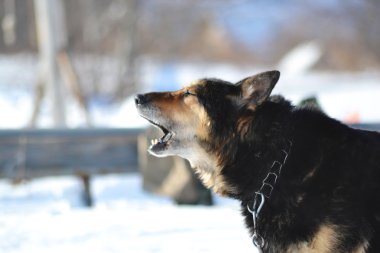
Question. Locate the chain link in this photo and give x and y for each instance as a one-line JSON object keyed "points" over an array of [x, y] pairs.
{"points": [[265, 191]]}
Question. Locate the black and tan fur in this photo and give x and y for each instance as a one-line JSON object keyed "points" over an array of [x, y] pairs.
{"points": [[327, 198]]}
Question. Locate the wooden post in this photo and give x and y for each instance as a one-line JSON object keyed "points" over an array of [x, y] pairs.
{"points": [[9, 22], [86, 193], [51, 38]]}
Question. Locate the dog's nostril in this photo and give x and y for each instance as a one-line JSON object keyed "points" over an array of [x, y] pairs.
{"points": [[140, 99]]}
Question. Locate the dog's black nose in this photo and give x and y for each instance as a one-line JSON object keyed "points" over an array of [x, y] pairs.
{"points": [[140, 99]]}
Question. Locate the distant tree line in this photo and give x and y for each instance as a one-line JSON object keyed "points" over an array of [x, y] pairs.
{"points": [[349, 31]]}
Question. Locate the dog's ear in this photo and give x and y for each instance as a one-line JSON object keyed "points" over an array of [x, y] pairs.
{"points": [[256, 89]]}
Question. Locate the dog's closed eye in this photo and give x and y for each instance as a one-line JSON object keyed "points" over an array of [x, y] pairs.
{"points": [[187, 93]]}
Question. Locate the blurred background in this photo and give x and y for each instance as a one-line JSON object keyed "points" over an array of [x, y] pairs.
{"points": [[101, 52], [69, 71]]}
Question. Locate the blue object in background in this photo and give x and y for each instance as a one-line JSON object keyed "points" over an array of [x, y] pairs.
{"points": [[166, 79]]}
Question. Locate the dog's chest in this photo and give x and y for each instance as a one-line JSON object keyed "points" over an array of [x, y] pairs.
{"points": [[327, 239]]}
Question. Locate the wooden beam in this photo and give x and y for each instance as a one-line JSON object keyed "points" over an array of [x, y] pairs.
{"points": [[32, 153]]}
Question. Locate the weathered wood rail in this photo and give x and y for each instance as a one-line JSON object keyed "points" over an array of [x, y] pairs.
{"points": [[32, 153], [367, 126]]}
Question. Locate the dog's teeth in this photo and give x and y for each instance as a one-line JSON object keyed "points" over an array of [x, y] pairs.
{"points": [[156, 141]]}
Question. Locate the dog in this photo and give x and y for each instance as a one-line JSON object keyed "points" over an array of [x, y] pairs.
{"points": [[306, 182]]}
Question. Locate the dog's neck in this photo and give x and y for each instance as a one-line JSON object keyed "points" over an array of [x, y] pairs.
{"points": [[206, 166], [270, 133], [267, 158]]}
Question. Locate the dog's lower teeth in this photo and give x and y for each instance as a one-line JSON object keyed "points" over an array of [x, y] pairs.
{"points": [[162, 141], [154, 141]]}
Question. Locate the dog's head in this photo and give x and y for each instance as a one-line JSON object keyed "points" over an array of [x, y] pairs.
{"points": [[200, 119]]}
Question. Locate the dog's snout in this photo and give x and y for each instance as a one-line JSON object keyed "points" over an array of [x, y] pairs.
{"points": [[140, 99]]}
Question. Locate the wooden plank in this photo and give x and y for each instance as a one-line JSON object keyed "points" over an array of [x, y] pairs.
{"points": [[34, 153], [57, 132], [371, 126], [29, 153]]}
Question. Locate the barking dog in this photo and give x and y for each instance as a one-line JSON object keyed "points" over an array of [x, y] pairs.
{"points": [[306, 182]]}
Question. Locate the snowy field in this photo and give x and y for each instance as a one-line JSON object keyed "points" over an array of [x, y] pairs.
{"points": [[46, 215]]}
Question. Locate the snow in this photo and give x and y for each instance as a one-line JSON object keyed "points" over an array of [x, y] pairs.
{"points": [[301, 58], [124, 115], [341, 94], [46, 215]]}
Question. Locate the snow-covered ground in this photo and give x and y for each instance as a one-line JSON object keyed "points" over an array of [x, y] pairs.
{"points": [[46, 215]]}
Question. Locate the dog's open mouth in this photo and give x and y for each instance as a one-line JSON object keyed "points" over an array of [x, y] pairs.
{"points": [[161, 144]]}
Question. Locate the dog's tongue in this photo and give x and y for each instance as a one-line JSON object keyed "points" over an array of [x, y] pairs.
{"points": [[158, 147]]}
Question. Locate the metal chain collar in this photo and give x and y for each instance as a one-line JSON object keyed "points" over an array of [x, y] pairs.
{"points": [[265, 191]]}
